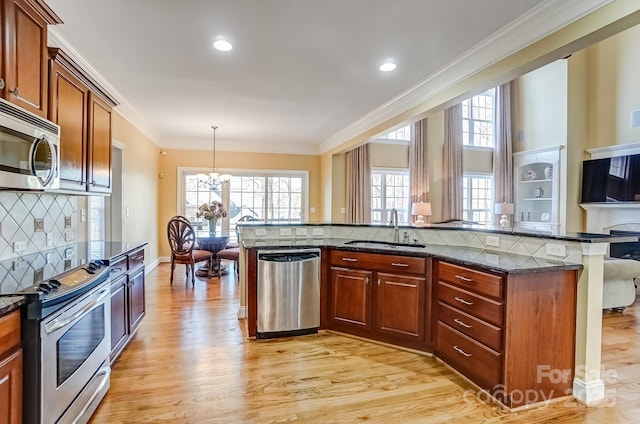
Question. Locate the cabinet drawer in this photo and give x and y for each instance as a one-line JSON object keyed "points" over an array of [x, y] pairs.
{"points": [[136, 258], [473, 304], [379, 262], [118, 267], [9, 331], [478, 363], [482, 331], [469, 279]]}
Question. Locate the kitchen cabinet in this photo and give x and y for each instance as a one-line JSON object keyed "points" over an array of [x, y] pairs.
{"points": [[537, 190], [10, 369], [496, 329], [83, 110], [127, 299], [23, 53], [379, 296]]}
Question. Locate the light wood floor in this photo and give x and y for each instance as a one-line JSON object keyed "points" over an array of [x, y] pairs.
{"points": [[191, 363]]}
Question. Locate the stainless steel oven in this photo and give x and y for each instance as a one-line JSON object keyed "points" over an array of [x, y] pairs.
{"points": [[29, 150], [76, 343], [66, 341]]}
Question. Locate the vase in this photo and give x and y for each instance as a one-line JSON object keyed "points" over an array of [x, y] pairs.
{"points": [[212, 226]]}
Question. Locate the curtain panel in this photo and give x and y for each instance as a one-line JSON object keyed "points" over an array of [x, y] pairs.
{"points": [[502, 154], [452, 173], [418, 159], [359, 185]]}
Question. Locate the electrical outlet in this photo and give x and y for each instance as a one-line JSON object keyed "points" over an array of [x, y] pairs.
{"points": [[83, 215], [38, 224], [285, 231], [493, 241], [67, 222], [127, 212], [19, 246], [312, 210], [301, 231], [68, 253], [48, 256], [318, 231], [261, 232], [557, 249], [343, 210]]}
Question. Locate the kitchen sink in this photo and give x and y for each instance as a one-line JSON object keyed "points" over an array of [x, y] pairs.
{"points": [[381, 244]]}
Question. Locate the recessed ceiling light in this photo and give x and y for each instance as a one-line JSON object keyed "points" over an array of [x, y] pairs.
{"points": [[388, 66], [222, 45]]}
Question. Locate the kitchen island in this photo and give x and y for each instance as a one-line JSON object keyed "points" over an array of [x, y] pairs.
{"points": [[528, 291]]}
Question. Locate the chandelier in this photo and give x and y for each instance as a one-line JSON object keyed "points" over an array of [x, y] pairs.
{"points": [[213, 181]]}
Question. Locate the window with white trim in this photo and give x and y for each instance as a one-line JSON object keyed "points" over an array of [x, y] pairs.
{"points": [[274, 197], [478, 121], [97, 227], [389, 190], [402, 133], [478, 198]]}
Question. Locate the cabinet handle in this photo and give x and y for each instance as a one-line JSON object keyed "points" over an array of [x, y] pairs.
{"points": [[15, 92], [457, 321], [461, 300], [378, 282], [366, 280], [2, 83], [399, 264], [350, 259], [462, 351], [463, 278]]}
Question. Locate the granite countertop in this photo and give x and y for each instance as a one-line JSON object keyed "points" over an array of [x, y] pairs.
{"points": [[492, 261], [462, 226], [108, 250], [10, 303]]}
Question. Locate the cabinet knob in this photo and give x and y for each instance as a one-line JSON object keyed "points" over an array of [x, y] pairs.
{"points": [[2, 83], [15, 91]]}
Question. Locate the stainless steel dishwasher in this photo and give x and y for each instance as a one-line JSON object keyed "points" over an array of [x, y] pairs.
{"points": [[288, 292]]}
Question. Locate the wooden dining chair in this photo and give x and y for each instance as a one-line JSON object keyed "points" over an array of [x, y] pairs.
{"points": [[182, 240]]}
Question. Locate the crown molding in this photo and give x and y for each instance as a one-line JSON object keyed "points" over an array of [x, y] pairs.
{"points": [[532, 26], [124, 108], [247, 147]]}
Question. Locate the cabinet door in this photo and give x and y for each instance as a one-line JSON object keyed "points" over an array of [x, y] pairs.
{"points": [[68, 108], [351, 298], [11, 388], [136, 299], [400, 306], [25, 57], [99, 138], [119, 313]]}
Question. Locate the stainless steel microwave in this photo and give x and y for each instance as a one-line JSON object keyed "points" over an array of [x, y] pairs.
{"points": [[29, 150]]}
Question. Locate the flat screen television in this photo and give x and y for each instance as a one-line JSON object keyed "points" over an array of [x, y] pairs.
{"points": [[615, 179]]}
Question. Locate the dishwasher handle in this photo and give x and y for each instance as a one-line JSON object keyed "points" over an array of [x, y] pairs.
{"points": [[288, 257]]}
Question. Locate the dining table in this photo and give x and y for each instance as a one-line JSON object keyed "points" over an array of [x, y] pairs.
{"points": [[212, 243]]}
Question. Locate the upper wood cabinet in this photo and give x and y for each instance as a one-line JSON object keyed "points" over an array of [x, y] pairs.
{"points": [[83, 110], [23, 48]]}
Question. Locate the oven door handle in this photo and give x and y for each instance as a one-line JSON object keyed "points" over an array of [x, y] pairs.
{"points": [[58, 323]]}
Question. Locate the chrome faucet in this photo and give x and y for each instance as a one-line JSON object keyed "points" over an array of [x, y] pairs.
{"points": [[394, 222]]}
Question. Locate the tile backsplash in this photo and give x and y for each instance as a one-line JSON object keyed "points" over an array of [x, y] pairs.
{"points": [[34, 222]]}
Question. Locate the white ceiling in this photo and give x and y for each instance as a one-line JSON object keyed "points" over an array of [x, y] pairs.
{"points": [[303, 74]]}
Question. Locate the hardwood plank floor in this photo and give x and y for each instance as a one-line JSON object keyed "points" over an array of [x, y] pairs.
{"points": [[190, 362]]}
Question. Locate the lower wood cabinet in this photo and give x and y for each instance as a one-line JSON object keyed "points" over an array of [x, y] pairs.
{"points": [[10, 369], [127, 299], [507, 333], [381, 301]]}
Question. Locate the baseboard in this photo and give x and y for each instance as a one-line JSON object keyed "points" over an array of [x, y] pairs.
{"points": [[151, 266], [242, 312], [163, 259], [588, 393]]}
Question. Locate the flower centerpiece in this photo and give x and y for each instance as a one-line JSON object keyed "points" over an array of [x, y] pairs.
{"points": [[212, 212]]}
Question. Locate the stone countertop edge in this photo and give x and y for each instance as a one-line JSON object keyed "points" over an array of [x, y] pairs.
{"points": [[534, 265], [113, 249], [571, 236], [10, 304]]}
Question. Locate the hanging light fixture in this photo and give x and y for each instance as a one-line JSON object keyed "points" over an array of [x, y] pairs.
{"points": [[214, 180]]}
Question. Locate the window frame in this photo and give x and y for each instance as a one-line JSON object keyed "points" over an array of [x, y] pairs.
{"points": [[467, 206], [385, 171], [468, 138], [225, 192]]}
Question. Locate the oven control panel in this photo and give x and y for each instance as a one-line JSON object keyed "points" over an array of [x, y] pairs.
{"points": [[69, 281]]}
